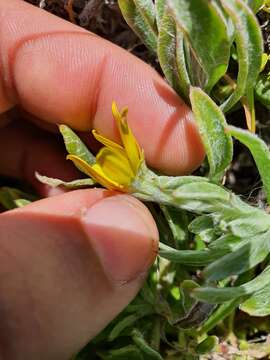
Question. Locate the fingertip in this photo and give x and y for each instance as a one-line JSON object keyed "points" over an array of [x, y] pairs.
{"points": [[124, 235]]}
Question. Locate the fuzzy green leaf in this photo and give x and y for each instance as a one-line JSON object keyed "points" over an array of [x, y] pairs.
{"points": [[141, 20], [171, 56], [202, 23], [259, 303], [249, 44], [75, 146], [241, 260], [127, 322], [69, 185], [255, 5], [129, 352], [262, 90], [191, 257], [149, 352], [260, 153], [160, 6], [201, 223], [212, 124], [220, 295]]}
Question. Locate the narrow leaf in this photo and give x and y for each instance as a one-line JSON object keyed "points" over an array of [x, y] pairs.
{"points": [[140, 20], [249, 44], [211, 122], [160, 10], [122, 325], [259, 303], [191, 257], [243, 259], [220, 295], [144, 346], [167, 49], [205, 28], [148, 11], [260, 153], [75, 146], [262, 90], [70, 184], [255, 5]]}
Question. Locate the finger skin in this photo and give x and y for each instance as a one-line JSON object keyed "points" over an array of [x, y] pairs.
{"points": [[61, 73], [69, 264], [26, 150]]}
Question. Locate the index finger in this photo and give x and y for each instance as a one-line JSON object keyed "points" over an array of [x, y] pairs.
{"points": [[61, 73]]}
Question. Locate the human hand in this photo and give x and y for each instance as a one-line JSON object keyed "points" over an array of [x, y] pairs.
{"points": [[72, 262]]}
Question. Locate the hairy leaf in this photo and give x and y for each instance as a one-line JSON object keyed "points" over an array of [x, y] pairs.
{"points": [[262, 90], [241, 260], [259, 151], [259, 303], [211, 122], [202, 23], [249, 44], [69, 185], [75, 146], [140, 20], [219, 295]]}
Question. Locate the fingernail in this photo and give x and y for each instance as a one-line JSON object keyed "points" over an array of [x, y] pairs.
{"points": [[124, 236]]}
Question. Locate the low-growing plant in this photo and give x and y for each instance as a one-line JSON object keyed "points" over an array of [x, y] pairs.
{"points": [[215, 246]]}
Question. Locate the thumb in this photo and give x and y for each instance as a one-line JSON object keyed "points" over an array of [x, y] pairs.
{"points": [[68, 265]]}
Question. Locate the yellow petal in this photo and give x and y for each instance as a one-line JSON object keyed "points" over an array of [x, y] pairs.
{"points": [[82, 165], [95, 172], [107, 142], [115, 166], [129, 141]]}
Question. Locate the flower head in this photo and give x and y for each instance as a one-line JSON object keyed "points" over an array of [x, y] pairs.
{"points": [[116, 165]]}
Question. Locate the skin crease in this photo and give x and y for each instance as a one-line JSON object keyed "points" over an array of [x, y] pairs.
{"points": [[70, 263]]}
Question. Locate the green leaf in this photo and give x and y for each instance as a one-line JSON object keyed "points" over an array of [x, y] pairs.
{"points": [[75, 146], [222, 312], [201, 223], [249, 44], [259, 303], [181, 64], [255, 5], [144, 346], [228, 241], [178, 223], [160, 6], [207, 345], [212, 124], [262, 90], [127, 322], [10, 196], [140, 19], [241, 260], [148, 12], [213, 295], [22, 202], [129, 352], [191, 257], [260, 153], [69, 185], [205, 28], [171, 57]]}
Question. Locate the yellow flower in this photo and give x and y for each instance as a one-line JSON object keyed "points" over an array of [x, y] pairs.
{"points": [[116, 165]]}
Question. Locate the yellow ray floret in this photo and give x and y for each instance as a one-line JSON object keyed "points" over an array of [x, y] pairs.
{"points": [[116, 165]]}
